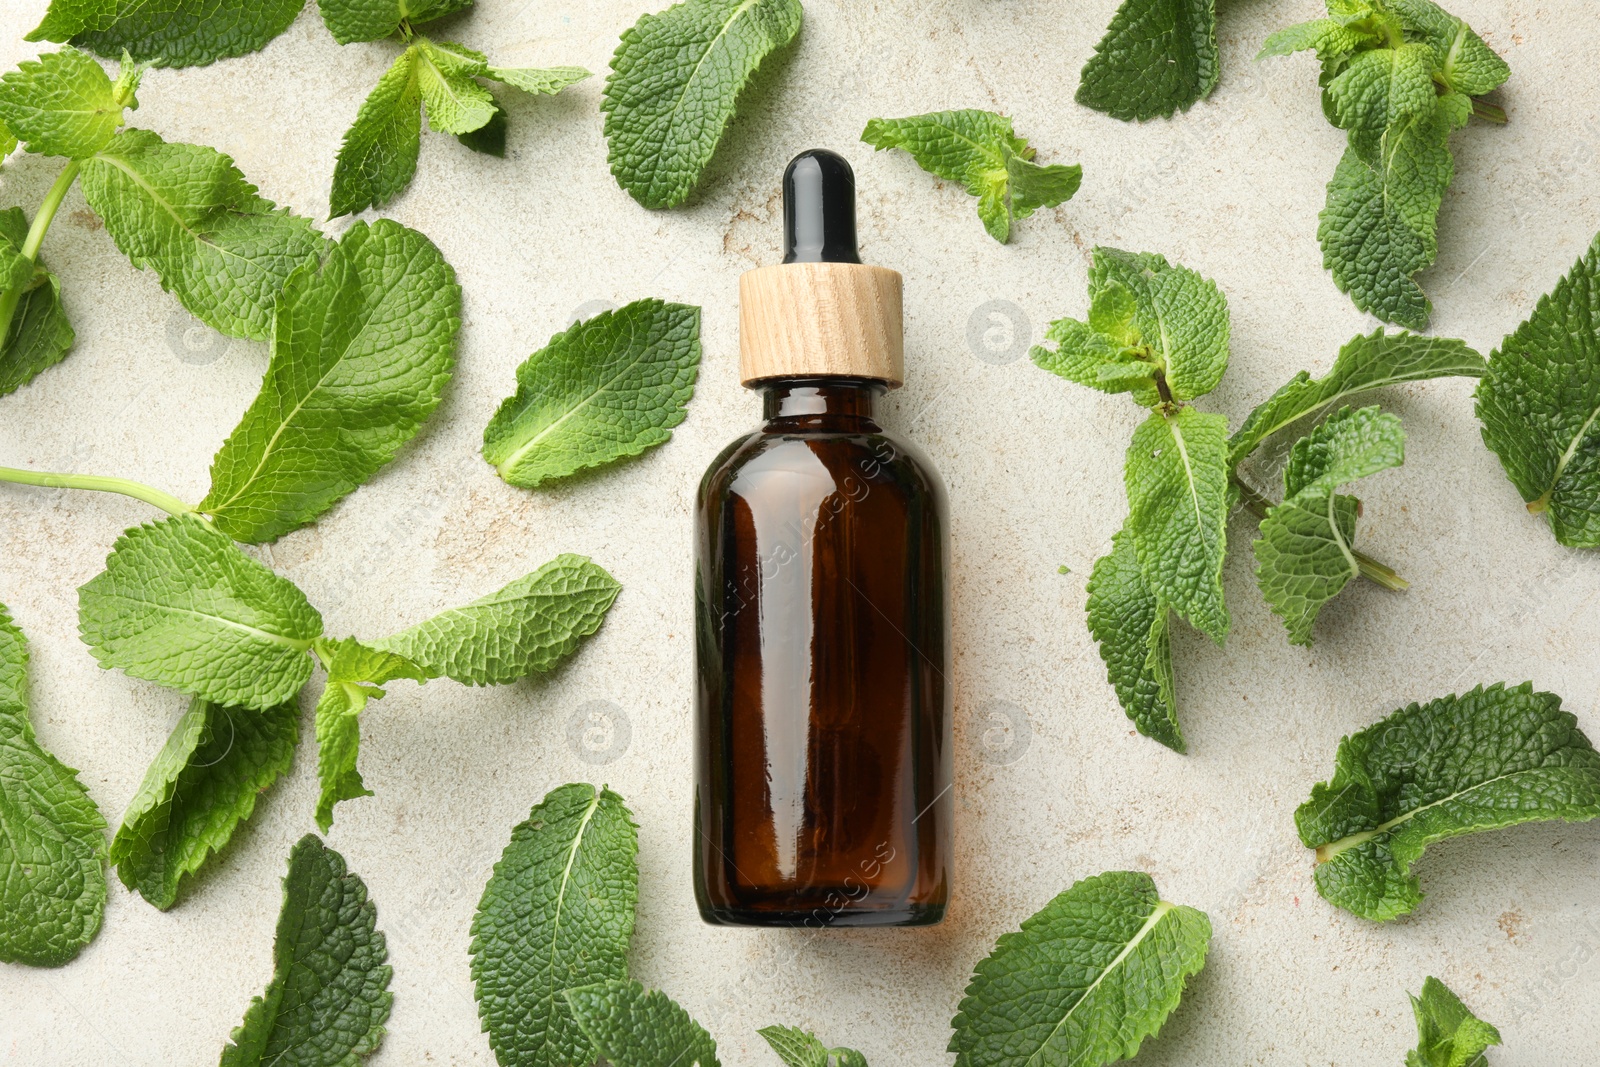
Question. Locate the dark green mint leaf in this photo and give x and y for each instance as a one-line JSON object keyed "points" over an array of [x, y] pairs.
{"points": [[379, 155], [632, 1028], [1157, 57], [1130, 625]]}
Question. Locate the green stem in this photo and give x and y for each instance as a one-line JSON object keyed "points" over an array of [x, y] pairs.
{"points": [[30, 245], [1369, 568], [1489, 112], [139, 491]]}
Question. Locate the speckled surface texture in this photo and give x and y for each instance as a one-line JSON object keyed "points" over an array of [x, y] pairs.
{"points": [[1033, 467]]}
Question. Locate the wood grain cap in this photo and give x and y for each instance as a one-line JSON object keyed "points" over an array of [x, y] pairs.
{"points": [[830, 319]]}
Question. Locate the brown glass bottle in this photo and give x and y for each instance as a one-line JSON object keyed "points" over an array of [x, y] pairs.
{"points": [[822, 634]]}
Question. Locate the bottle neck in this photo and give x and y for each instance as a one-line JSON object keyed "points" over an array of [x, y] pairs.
{"points": [[841, 405]]}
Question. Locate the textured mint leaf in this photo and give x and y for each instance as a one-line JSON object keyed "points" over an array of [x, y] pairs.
{"points": [[40, 334], [180, 604], [379, 155], [1383, 87], [1107, 352], [186, 212], [8, 142], [454, 101], [1448, 1035], [607, 388], [52, 837], [1304, 555], [546, 81], [675, 80], [1086, 979], [1180, 318], [1177, 481], [1130, 625], [556, 914], [360, 20], [329, 995], [632, 1028], [1365, 362], [1157, 57], [1380, 224], [60, 104], [355, 673], [530, 625], [1491, 758], [798, 1048], [1540, 405], [979, 150], [167, 33], [490, 138], [202, 786], [362, 347], [1466, 64], [1329, 38]]}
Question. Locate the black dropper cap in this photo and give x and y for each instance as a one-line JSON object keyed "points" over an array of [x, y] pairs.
{"points": [[819, 209]]}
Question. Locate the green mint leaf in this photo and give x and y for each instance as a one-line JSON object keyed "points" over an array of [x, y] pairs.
{"points": [[52, 837], [1365, 362], [607, 388], [180, 604], [170, 33], [557, 914], [530, 625], [60, 104], [360, 20], [1493, 757], [1329, 38], [675, 80], [1383, 88], [1107, 352], [201, 787], [1131, 627], [1086, 979], [631, 1028], [1448, 1034], [363, 346], [798, 1048], [454, 101], [490, 138], [379, 155], [1180, 318], [186, 212], [8, 141], [40, 334], [1380, 224], [1540, 405], [979, 150], [1466, 64], [355, 672], [1177, 482], [1304, 555], [1157, 57], [329, 995], [546, 81]]}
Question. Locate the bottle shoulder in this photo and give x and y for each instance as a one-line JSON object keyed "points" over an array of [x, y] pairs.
{"points": [[875, 457]]}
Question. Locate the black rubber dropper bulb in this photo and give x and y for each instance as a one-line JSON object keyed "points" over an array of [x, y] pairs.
{"points": [[819, 209]]}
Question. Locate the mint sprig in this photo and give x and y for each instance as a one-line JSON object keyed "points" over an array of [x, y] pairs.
{"points": [[1399, 76], [675, 80], [800, 1048], [52, 836], [1448, 1034], [1494, 757], [329, 994], [979, 150], [441, 79], [1159, 333]]}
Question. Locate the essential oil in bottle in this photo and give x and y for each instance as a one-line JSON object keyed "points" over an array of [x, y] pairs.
{"points": [[823, 751]]}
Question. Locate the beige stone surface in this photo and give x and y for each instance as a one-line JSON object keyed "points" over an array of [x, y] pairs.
{"points": [[1033, 467]]}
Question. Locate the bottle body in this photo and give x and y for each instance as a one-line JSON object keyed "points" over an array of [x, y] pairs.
{"points": [[823, 749]]}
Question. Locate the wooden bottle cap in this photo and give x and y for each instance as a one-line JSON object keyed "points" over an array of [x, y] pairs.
{"points": [[800, 320]]}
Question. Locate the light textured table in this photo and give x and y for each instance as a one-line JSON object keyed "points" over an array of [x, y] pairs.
{"points": [[1033, 466]]}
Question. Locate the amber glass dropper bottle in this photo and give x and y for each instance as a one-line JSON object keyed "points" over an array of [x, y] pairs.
{"points": [[822, 629]]}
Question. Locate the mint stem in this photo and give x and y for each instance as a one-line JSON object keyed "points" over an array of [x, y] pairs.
{"points": [[1489, 112], [1369, 568], [30, 245], [139, 491]]}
